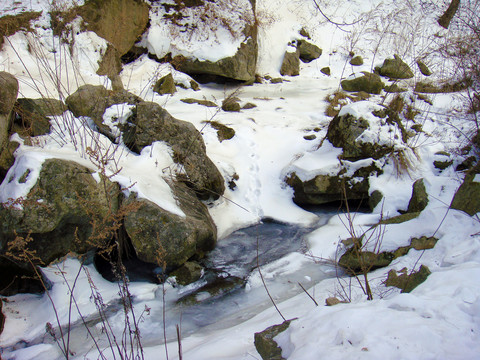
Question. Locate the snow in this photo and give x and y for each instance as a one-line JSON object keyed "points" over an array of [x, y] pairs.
{"points": [[438, 320]]}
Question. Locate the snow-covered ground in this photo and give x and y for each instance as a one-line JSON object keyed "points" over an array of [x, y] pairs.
{"points": [[440, 319]]}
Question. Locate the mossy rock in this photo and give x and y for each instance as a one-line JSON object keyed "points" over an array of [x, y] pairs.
{"points": [[368, 82], [356, 61], [376, 197], [467, 197], [249, 106], [60, 210], [324, 189], [356, 261], [231, 104], [92, 101], [215, 288], [223, 132], [188, 273], [394, 88], [407, 282], [165, 85], [308, 51], [326, 70], [423, 68], [265, 343], [290, 64], [419, 199], [395, 68], [400, 218], [241, 66], [203, 102], [166, 239], [445, 87]]}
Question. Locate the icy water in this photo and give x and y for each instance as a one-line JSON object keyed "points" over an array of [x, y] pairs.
{"points": [[230, 291]]}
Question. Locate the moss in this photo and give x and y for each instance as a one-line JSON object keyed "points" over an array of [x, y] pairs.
{"points": [[10, 24]]}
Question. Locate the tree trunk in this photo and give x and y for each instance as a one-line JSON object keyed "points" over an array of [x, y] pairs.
{"points": [[444, 20]]}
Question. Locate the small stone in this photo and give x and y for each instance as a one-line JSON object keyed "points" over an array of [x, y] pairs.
{"points": [[166, 85], [231, 104], [310, 137], [249, 106], [194, 85], [423, 68], [356, 61], [276, 81], [206, 103], [325, 70], [331, 301]]}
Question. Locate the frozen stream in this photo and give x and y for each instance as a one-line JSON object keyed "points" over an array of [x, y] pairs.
{"points": [[229, 293]]}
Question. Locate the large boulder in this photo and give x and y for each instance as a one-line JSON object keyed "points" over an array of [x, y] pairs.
{"points": [[153, 123], [59, 211], [241, 66], [368, 82], [167, 239], [395, 68]]}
